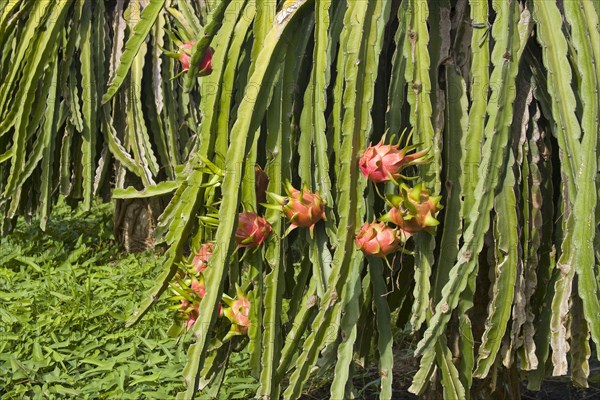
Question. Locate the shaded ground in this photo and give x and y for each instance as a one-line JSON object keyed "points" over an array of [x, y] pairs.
{"points": [[405, 366]]}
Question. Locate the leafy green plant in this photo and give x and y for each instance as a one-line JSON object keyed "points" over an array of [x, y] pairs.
{"points": [[502, 95]]}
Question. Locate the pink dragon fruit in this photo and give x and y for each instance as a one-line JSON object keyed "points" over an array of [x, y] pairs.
{"points": [[303, 209], [384, 162], [205, 66], [377, 239], [198, 286], [238, 313], [252, 230], [414, 209], [192, 315], [200, 261]]}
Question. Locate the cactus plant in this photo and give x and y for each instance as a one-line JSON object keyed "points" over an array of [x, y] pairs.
{"points": [[501, 98]]}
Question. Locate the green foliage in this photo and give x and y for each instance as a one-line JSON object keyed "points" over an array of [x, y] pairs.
{"points": [[502, 95], [65, 296]]}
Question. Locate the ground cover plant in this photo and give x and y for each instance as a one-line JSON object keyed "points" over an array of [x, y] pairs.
{"points": [[65, 295], [327, 170]]}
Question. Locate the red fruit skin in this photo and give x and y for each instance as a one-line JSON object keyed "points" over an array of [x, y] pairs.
{"points": [[252, 230], [384, 162], [304, 209], [205, 66], [200, 261], [377, 239]]}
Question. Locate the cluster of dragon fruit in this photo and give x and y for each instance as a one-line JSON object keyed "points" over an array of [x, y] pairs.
{"points": [[411, 209]]}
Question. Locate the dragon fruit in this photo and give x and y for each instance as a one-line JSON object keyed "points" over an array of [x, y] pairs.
{"points": [[414, 209], [205, 66], [384, 162], [303, 209], [252, 230], [200, 261], [238, 313], [377, 239], [198, 286]]}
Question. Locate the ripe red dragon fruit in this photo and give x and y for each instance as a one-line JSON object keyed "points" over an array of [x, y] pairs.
{"points": [[261, 182], [200, 261], [377, 239], [302, 208], [384, 162], [205, 66], [238, 313], [252, 230], [414, 209]]}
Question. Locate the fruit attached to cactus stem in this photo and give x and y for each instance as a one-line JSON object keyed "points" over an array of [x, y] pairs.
{"points": [[385, 162], [378, 239], [200, 261], [238, 313], [261, 182], [252, 230], [205, 66], [302, 208], [414, 209]]}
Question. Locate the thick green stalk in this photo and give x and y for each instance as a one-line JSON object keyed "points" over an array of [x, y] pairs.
{"points": [[417, 76], [585, 35], [242, 133], [492, 165], [384, 338]]}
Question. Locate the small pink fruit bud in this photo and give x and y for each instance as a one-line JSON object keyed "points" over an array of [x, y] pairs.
{"points": [[252, 230], [384, 162], [377, 239], [200, 261], [205, 66]]}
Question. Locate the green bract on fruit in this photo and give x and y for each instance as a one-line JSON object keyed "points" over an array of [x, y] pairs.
{"points": [[377, 239], [414, 209], [252, 230], [384, 162]]}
